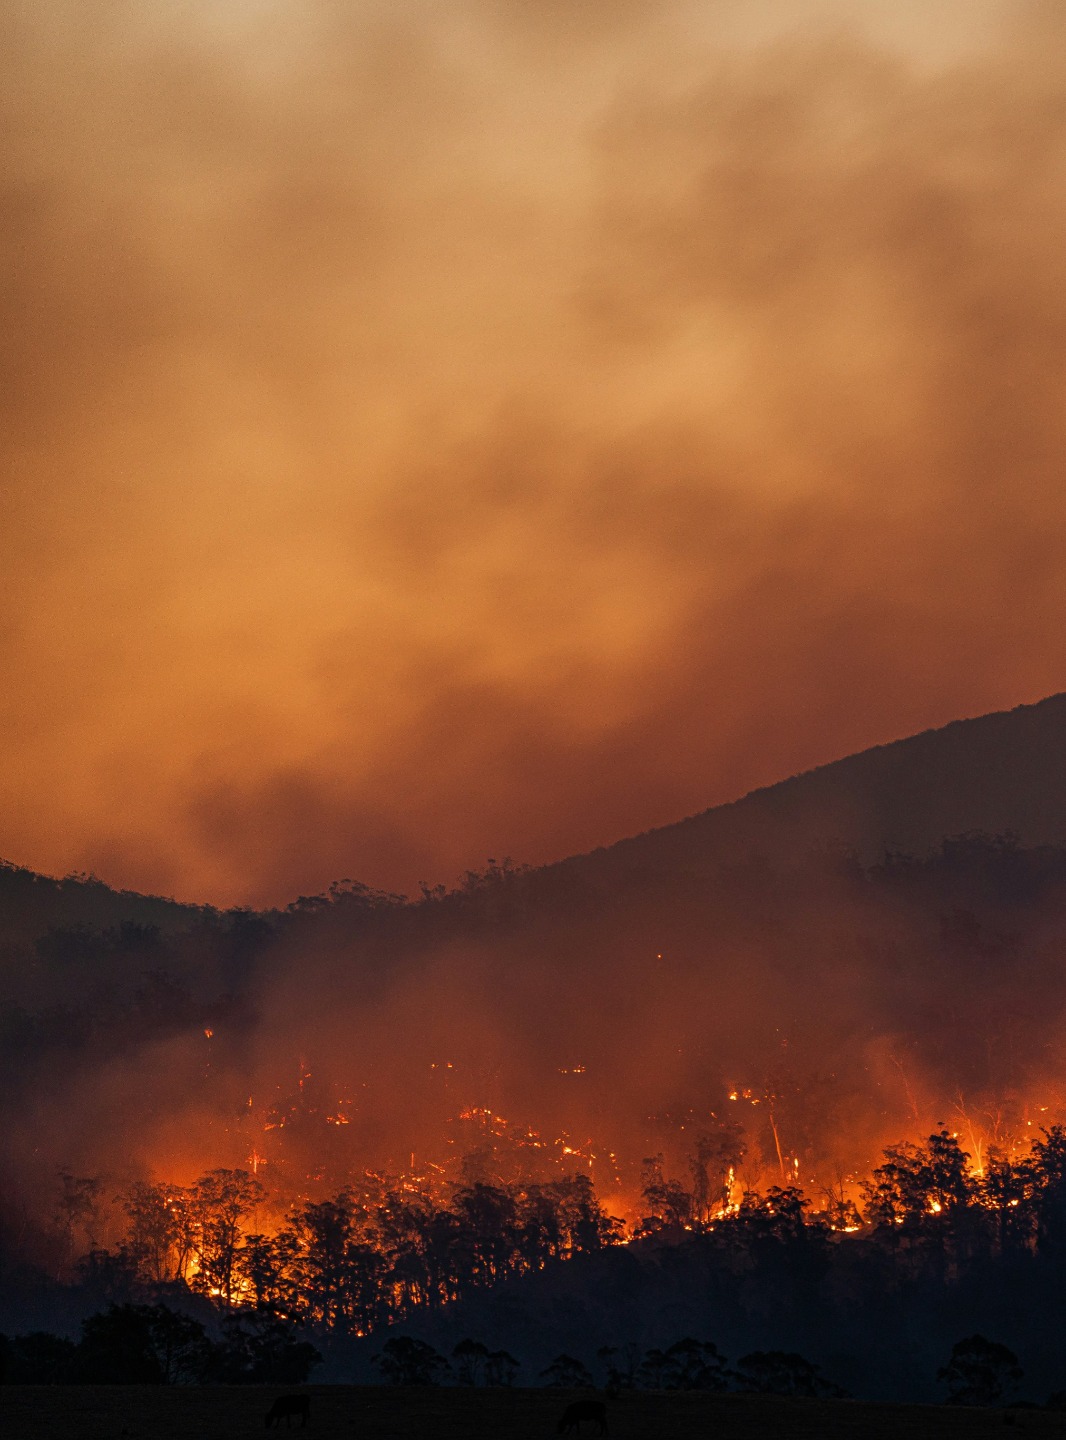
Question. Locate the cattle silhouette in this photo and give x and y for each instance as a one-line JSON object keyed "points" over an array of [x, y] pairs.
{"points": [[288, 1406], [576, 1414]]}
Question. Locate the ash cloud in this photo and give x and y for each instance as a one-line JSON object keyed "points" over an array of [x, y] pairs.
{"points": [[503, 430]]}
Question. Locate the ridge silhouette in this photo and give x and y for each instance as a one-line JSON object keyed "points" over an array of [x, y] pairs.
{"points": [[1000, 773], [1004, 772]]}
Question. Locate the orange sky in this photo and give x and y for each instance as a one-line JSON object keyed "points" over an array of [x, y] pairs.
{"points": [[498, 426]]}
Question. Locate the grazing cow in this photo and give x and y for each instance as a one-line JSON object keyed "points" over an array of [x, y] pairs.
{"points": [[289, 1405], [581, 1410]]}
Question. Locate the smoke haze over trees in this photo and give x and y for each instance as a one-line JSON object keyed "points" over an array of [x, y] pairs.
{"points": [[743, 969]]}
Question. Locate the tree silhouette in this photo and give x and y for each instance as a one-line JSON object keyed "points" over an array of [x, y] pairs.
{"points": [[259, 1347], [219, 1202], [500, 1368], [694, 1365], [406, 1361], [1048, 1162], [269, 1274], [566, 1373], [158, 1236], [39, 1359], [118, 1348], [621, 1364], [918, 1182], [778, 1372], [980, 1372], [78, 1207], [717, 1152], [668, 1203], [469, 1357], [652, 1372]]}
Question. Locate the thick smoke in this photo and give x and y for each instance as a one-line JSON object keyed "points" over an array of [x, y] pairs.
{"points": [[493, 429]]}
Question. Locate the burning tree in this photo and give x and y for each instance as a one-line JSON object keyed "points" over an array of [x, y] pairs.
{"points": [[713, 1164], [340, 1271], [218, 1204], [160, 1236], [669, 1204], [917, 1181]]}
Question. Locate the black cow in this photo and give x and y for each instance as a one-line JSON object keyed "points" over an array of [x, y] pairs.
{"points": [[289, 1405]]}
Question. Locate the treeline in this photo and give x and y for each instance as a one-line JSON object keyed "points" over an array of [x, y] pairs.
{"points": [[687, 1364], [932, 1250], [372, 1256], [92, 973], [977, 1372], [158, 1345], [346, 1265], [86, 994], [110, 972]]}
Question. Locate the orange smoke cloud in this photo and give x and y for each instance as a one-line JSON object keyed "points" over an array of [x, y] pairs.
{"points": [[502, 430]]}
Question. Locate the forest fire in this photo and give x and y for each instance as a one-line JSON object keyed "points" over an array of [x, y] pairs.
{"points": [[686, 1166], [441, 431], [351, 1252], [446, 1125]]}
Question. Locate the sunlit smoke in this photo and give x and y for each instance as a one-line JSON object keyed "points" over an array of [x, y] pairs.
{"points": [[418, 419]]}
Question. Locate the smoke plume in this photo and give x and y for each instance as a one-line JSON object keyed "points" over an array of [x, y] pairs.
{"points": [[497, 428]]}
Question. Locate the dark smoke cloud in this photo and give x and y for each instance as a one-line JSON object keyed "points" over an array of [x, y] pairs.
{"points": [[500, 430]]}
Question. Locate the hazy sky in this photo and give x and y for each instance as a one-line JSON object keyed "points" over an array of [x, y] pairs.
{"points": [[476, 427]]}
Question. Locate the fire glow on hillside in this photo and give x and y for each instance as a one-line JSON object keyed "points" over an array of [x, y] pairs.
{"points": [[697, 1167], [409, 1105], [500, 1200]]}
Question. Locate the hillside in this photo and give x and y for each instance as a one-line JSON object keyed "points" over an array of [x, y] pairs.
{"points": [[999, 773], [32, 904], [1003, 773]]}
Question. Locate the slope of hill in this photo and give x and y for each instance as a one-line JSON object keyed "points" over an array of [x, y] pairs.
{"points": [[32, 904], [1003, 773], [999, 773]]}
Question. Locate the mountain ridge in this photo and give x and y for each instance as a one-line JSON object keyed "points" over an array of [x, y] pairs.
{"points": [[1004, 771], [1001, 772]]}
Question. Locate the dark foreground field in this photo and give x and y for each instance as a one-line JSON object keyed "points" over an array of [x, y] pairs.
{"points": [[71, 1412]]}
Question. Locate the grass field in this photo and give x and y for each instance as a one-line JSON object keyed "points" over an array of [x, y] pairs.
{"points": [[339, 1412]]}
